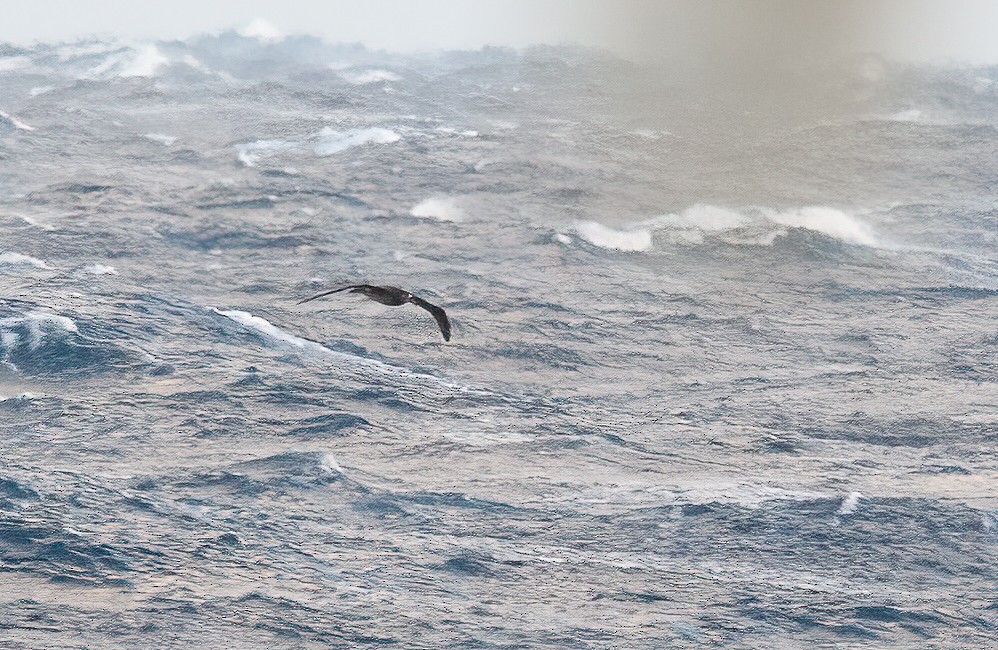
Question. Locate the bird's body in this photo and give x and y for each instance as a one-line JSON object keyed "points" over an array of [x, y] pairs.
{"points": [[393, 297]]}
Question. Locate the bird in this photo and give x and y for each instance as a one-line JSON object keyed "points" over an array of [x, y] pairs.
{"points": [[393, 297]]}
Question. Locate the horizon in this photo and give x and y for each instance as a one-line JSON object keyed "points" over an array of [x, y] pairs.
{"points": [[637, 29]]}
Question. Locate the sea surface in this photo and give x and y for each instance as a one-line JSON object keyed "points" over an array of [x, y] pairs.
{"points": [[724, 370]]}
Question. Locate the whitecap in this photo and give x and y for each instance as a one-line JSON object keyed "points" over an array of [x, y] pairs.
{"points": [[850, 503], [330, 141], [441, 208], [251, 153], [40, 90], [328, 462], [827, 221], [32, 222], [19, 259], [262, 31], [621, 240], [365, 77], [11, 63], [146, 61], [35, 323], [14, 122], [281, 338], [98, 269], [167, 140]]}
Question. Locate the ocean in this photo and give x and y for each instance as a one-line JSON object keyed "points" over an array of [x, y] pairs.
{"points": [[723, 371]]}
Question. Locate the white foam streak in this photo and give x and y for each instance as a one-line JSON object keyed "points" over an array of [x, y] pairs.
{"points": [[19, 259], [276, 334], [270, 331], [16, 123], [441, 208]]}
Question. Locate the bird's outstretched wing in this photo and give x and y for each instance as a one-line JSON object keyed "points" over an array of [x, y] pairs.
{"points": [[326, 293], [438, 314]]}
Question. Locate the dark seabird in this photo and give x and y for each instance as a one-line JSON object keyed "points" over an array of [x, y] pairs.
{"points": [[393, 297]]}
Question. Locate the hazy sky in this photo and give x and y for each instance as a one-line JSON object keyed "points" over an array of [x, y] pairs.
{"points": [[962, 30]]}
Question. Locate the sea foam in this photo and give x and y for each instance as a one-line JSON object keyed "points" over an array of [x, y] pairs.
{"points": [[639, 239], [19, 259], [441, 208], [330, 141], [750, 227], [13, 122], [365, 77]]}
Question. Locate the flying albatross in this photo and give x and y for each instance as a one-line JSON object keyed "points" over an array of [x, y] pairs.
{"points": [[393, 297]]}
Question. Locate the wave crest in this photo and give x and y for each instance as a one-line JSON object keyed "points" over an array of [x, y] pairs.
{"points": [[703, 223]]}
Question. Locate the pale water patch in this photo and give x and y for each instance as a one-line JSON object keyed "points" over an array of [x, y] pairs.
{"points": [[907, 115]]}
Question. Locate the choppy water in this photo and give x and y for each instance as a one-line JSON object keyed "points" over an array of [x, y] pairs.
{"points": [[717, 380]]}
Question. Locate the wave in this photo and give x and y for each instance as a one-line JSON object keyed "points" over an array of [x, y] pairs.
{"points": [[142, 61], [166, 140], [262, 31], [365, 77], [639, 239], [296, 470], [19, 259], [251, 153], [441, 208], [701, 224], [41, 342], [325, 143], [10, 123], [97, 269], [274, 334], [331, 142], [12, 63]]}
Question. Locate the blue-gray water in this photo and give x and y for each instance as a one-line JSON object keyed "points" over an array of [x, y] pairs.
{"points": [[720, 377]]}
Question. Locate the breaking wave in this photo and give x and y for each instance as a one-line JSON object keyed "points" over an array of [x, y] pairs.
{"points": [[441, 208], [331, 142], [41, 342], [701, 224], [19, 259]]}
